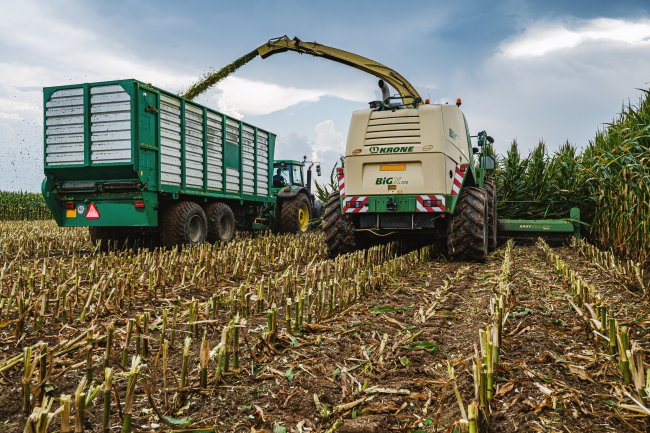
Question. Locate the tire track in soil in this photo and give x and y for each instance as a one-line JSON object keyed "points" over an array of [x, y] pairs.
{"points": [[548, 348], [353, 342]]}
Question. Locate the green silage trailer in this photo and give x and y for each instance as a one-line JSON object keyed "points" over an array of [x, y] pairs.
{"points": [[135, 162]]}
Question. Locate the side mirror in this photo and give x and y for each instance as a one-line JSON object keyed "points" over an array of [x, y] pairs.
{"points": [[490, 139], [475, 150], [318, 169], [490, 163]]}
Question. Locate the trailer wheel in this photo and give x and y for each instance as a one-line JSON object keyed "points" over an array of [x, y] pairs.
{"points": [[108, 238], [221, 222], [491, 189], [467, 232], [183, 223], [295, 214], [338, 232]]}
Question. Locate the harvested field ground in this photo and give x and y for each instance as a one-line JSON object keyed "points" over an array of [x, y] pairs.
{"points": [[366, 349], [553, 376]]}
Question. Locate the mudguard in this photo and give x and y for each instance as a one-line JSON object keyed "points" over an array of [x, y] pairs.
{"points": [[294, 191]]}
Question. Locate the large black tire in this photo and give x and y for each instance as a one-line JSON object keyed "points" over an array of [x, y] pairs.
{"points": [[108, 238], [183, 222], [221, 222], [338, 232], [295, 214], [467, 232], [492, 213]]}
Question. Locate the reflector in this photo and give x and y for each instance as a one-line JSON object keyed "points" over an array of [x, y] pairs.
{"points": [[93, 213], [392, 167]]}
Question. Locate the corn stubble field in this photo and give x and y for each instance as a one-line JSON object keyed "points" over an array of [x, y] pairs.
{"points": [[269, 334]]}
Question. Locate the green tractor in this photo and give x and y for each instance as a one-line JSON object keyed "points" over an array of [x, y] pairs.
{"points": [[297, 209]]}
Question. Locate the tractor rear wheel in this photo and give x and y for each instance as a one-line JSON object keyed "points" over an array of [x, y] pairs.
{"points": [[221, 222], [183, 222], [338, 232], [295, 214], [467, 232], [491, 189]]}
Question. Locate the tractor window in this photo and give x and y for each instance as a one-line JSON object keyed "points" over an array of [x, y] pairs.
{"points": [[297, 175], [282, 176]]}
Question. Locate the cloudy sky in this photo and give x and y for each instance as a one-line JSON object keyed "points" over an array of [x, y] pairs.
{"points": [[526, 70]]}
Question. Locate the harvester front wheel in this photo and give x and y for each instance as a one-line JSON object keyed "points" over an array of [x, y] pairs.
{"points": [[467, 232], [295, 214], [338, 232], [492, 213], [221, 222], [183, 222]]}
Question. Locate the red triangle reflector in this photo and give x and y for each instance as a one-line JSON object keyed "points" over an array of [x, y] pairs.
{"points": [[92, 213]]}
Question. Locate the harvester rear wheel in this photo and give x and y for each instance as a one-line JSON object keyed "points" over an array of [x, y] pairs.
{"points": [[467, 232], [183, 223], [492, 213], [221, 222], [295, 214], [338, 232]]}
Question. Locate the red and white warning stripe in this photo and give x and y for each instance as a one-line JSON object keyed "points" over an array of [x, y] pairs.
{"points": [[351, 204], [458, 178], [355, 205], [420, 203]]}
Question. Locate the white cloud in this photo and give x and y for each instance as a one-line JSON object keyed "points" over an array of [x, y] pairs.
{"points": [[565, 94], [326, 148], [13, 109], [547, 37], [328, 138], [241, 97]]}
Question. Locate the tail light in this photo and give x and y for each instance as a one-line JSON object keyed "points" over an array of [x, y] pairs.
{"points": [[431, 203], [139, 204], [355, 204], [69, 206]]}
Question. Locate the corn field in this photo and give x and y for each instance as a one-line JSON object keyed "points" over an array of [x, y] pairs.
{"points": [[609, 180], [23, 206]]}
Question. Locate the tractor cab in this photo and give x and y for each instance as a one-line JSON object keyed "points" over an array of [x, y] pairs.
{"points": [[291, 174], [287, 173], [297, 206]]}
